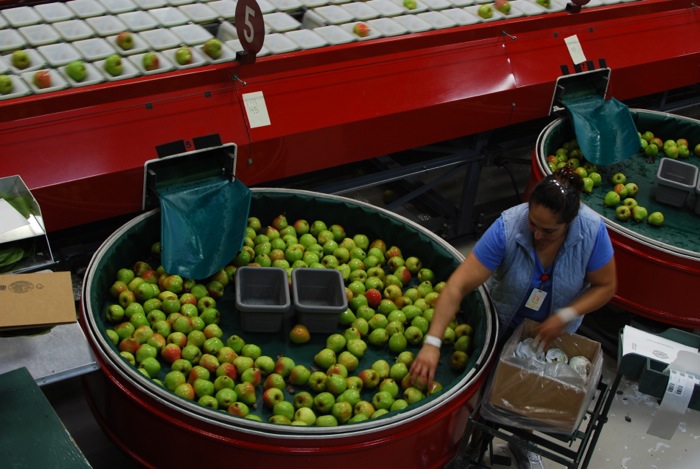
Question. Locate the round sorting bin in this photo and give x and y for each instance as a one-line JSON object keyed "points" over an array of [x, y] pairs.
{"points": [[658, 268], [140, 416]]}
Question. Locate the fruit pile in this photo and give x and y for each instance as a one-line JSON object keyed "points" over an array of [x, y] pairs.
{"points": [[622, 195], [170, 329], [653, 145]]}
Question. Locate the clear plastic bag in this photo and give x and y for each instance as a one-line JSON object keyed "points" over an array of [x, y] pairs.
{"points": [[529, 393]]}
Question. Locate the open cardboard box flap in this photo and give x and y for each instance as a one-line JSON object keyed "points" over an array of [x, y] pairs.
{"points": [[36, 299]]}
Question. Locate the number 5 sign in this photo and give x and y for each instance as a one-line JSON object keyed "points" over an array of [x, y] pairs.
{"points": [[250, 26]]}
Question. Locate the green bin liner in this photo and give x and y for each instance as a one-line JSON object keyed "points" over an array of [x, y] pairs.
{"points": [[203, 225], [604, 129]]}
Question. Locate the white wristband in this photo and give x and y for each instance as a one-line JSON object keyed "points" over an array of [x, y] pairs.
{"points": [[432, 340], [567, 314]]}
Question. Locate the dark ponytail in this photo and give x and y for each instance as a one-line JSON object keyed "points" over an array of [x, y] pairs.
{"points": [[559, 192]]}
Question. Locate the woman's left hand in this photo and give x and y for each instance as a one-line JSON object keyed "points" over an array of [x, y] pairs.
{"points": [[550, 329]]}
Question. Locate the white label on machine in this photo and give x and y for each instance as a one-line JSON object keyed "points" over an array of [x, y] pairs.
{"points": [[575, 49], [673, 405], [256, 110]]}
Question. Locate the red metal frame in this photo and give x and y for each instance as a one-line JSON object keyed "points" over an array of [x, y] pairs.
{"points": [[81, 151]]}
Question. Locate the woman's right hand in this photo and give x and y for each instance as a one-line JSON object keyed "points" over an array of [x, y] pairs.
{"points": [[423, 368]]}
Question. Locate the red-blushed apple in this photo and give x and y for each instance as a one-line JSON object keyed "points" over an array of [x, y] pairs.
{"points": [[210, 362], [125, 40], [239, 409], [185, 390], [173, 379], [129, 344], [284, 365], [370, 378], [299, 375], [227, 369], [251, 375], [246, 393], [150, 61], [274, 380], [272, 396], [170, 353]]}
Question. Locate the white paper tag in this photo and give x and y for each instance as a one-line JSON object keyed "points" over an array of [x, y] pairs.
{"points": [[575, 49], [536, 299], [256, 110], [673, 405], [10, 218]]}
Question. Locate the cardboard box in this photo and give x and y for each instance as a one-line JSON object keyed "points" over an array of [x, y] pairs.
{"points": [[37, 299], [522, 396]]}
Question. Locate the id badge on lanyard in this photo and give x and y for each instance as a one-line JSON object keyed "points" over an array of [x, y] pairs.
{"points": [[537, 296]]}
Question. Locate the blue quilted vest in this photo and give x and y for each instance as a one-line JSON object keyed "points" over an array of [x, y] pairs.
{"points": [[509, 285]]}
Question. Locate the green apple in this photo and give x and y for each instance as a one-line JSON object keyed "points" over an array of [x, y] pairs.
{"points": [[623, 213], [150, 61], [20, 59], [588, 185], [125, 40], [639, 213], [696, 150], [632, 189], [77, 70], [618, 178], [410, 4], [630, 202], [544, 3], [183, 55], [113, 65], [656, 219], [485, 11], [651, 150], [612, 199], [213, 48]]}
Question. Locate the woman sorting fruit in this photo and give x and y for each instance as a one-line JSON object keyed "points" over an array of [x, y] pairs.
{"points": [[549, 259]]}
